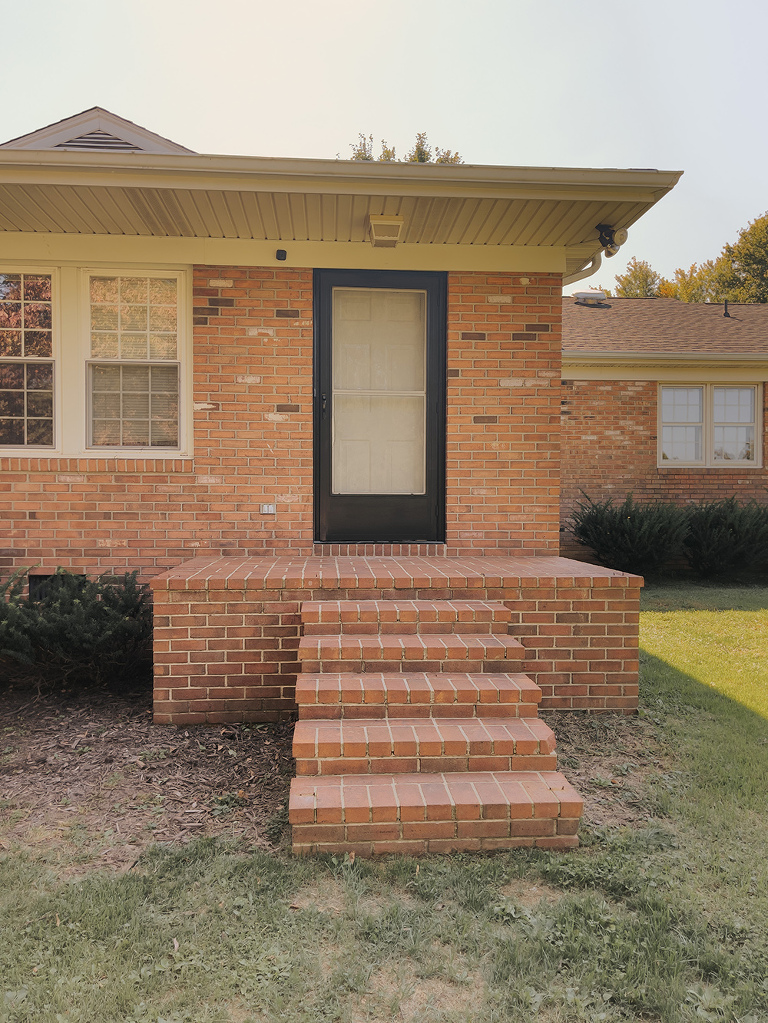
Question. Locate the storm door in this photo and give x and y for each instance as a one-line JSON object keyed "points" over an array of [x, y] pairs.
{"points": [[379, 406]]}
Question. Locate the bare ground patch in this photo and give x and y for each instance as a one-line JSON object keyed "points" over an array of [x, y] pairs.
{"points": [[610, 759]]}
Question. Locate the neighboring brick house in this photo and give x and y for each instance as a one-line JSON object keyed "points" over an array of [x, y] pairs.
{"points": [[316, 404], [664, 400]]}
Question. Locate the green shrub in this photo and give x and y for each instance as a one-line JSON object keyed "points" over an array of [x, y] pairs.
{"points": [[76, 630], [726, 537], [638, 538]]}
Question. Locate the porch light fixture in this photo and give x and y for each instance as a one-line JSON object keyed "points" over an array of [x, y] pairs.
{"points": [[384, 231], [612, 238]]}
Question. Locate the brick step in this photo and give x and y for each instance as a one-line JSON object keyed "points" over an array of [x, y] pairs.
{"points": [[415, 814], [423, 745], [470, 653], [415, 694], [403, 617]]}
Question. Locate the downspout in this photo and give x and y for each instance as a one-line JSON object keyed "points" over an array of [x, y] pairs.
{"points": [[594, 266]]}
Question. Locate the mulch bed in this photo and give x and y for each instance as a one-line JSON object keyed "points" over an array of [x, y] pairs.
{"points": [[89, 773]]}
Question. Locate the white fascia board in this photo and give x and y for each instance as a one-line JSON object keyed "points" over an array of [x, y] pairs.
{"points": [[330, 176]]}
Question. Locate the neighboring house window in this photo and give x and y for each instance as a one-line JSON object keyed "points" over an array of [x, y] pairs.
{"points": [[26, 360], [133, 370], [709, 424]]}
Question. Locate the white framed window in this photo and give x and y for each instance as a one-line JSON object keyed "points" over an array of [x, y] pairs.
{"points": [[95, 360], [134, 380], [714, 425], [27, 365]]}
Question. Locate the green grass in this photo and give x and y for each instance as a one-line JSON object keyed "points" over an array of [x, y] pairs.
{"points": [[666, 924]]}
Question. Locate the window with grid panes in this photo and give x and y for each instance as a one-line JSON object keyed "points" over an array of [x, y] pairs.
{"points": [[709, 424], [133, 370], [26, 360]]}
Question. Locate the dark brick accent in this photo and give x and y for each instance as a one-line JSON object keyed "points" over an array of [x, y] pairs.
{"points": [[522, 336], [473, 335], [221, 301], [288, 314], [453, 373], [485, 419], [538, 326], [287, 408]]}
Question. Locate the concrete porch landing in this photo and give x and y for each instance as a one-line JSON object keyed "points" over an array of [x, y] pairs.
{"points": [[227, 629]]}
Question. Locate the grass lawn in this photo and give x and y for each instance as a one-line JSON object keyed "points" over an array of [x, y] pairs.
{"points": [[666, 921]]}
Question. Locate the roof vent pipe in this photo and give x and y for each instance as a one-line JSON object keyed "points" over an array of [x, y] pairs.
{"points": [[725, 310]]}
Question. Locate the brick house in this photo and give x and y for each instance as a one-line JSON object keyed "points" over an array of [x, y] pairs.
{"points": [[316, 404], [664, 400]]}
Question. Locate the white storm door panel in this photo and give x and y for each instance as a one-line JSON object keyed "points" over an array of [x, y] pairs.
{"points": [[379, 391]]}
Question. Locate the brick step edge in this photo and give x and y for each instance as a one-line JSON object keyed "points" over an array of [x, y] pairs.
{"points": [[416, 694], [405, 617], [413, 814], [423, 745], [397, 653]]}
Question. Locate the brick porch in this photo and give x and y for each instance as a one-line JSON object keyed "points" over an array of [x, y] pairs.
{"points": [[417, 682], [227, 629]]}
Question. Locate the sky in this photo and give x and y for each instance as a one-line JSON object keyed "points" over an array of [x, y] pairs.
{"points": [[670, 84]]}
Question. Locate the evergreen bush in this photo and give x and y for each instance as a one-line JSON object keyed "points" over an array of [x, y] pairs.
{"points": [[725, 537], [76, 630], [631, 537]]}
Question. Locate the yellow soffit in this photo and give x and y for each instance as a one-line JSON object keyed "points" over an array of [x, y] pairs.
{"points": [[664, 366], [284, 201]]}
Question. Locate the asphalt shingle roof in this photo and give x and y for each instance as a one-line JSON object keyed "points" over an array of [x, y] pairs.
{"points": [[665, 326]]}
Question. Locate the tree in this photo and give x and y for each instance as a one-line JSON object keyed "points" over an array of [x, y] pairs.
{"points": [[420, 153], [696, 284], [640, 280], [741, 271]]}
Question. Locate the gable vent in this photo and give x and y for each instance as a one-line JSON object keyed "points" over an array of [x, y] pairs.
{"points": [[100, 140]]}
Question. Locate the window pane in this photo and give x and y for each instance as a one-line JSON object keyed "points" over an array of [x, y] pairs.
{"points": [[104, 346], [10, 315], [681, 404], [734, 443], [681, 443], [128, 308], [135, 406], [10, 342], [734, 404], [12, 375], [26, 408], [10, 287], [38, 343], [40, 431], [104, 289], [40, 376], [37, 289], [11, 431], [37, 316]]}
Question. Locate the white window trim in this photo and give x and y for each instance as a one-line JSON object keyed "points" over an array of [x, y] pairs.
{"points": [[72, 354], [708, 427]]}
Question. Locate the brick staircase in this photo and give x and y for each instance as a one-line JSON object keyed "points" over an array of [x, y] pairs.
{"points": [[418, 733]]}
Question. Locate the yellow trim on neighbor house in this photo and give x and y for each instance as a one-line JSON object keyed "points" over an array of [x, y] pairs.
{"points": [[662, 367], [79, 248]]}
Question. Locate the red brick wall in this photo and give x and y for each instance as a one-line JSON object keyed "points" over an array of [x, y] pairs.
{"points": [[609, 438], [227, 632], [253, 437]]}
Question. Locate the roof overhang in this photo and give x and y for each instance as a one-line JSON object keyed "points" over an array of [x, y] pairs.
{"points": [[664, 366], [447, 210]]}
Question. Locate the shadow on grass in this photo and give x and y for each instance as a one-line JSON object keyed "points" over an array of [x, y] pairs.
{"points": [[721, 745]]}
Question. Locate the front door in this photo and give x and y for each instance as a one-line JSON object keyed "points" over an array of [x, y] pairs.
{"points": [[379, 406]]}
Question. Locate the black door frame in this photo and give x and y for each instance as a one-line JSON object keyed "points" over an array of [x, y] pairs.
{"points": [[386, 518]]}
